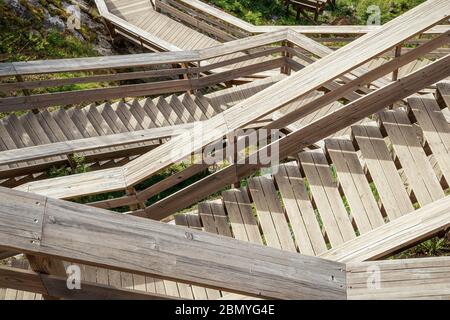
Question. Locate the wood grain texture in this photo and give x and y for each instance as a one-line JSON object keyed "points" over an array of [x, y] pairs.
{"points": [[30, 281], [96, 237], [412, 279], [400, 233]]}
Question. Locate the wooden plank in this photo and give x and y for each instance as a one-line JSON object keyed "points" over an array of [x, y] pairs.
{"points": [[270, 214], [20, 279], [243, 223], [215, 220], [169, 114], [194, 109], [19, 135], [382, 170], [396, 235], [352, 179], [123, 243], [36, 132], [435, 129], [86, 144], [193, 221], [425, 278], [326, 197], [299, 209], [97, 63], [137, 109], [443, 90], [155, 114], [412, 157]]}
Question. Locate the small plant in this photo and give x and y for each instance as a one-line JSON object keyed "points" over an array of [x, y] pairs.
{"points": [[78, 166], [437, 246]]}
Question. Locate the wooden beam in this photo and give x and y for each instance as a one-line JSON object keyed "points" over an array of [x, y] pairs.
{"points": [[92, 236], [30, 281], [424, 278], [396, 235], [87, 144]]}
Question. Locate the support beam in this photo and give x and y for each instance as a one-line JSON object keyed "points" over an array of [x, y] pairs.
{"points": [[399, 234], [30, 281], [423, 278], [96, 237]]}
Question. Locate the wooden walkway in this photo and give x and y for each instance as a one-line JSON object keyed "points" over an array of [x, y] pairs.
{"points": [[355, 185], [72, 124], [142, 15], [329, 198]]}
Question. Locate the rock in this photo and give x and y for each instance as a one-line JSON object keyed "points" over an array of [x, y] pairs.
{"points": [[53, 21]]}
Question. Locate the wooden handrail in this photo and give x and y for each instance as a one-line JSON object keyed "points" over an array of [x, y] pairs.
{"points": [[138, 60], [198, 71], [313, 30], [73, 232], [158, 44], [87, 144]]}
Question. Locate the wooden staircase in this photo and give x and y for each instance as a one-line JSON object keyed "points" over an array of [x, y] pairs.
{"points": [[385, 170], [325, 200], [46, 127]]}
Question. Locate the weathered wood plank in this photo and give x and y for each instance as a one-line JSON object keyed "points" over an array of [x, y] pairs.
{"points": [[398, 234], [299, 209], [436, 130], [382, 170], [96, 237], [336, 219], [413, 159], [352, 179], [31, 281], [425, 278]]}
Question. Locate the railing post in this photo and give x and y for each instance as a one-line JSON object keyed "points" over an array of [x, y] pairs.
{"points": [[132, 192], [156, 7], [398, 53], [26, 92], [110, 27], [233, 154], [286, 69], [186, 76]]}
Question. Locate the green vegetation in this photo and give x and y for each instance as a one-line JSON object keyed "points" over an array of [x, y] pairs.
{"points": [[26, 38], [265, 12], [435, 247], [25, 35], [79, 166]]}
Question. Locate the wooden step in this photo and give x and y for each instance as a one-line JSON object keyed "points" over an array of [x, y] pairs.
{"points": [[411, 155]]}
